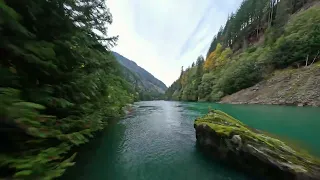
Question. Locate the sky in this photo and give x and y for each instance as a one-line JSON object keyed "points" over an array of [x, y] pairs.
{"points": [[161, 36]]}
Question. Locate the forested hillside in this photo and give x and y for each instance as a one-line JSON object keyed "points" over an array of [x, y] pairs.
{"points": [[59, 83], [142, 81], [260, 37]]}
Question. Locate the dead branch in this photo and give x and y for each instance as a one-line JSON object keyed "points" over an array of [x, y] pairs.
{"points": [[315, 58]]}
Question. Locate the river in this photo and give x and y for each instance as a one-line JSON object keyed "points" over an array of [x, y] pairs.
{"points": [[157, 141]]}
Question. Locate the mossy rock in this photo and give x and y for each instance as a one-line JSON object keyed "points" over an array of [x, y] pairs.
{"points": [[229, 140]]}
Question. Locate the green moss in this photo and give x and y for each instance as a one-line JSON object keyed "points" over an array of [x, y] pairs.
{"points": [[225, 126]]}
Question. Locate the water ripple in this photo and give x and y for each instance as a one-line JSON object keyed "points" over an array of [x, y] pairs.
{"points": [[157, 141]]}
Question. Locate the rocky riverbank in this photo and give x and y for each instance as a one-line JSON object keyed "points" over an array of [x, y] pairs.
{"points": [[299, 87], [230, 141]]}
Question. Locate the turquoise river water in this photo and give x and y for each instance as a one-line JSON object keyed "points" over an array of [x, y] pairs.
{"points": [[157, 141]]}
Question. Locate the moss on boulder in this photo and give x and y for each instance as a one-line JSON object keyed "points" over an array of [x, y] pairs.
{"points": [[229, 140]]}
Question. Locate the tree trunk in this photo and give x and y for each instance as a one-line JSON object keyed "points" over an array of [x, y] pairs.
{"points": [[315, 58], [271, 14]]}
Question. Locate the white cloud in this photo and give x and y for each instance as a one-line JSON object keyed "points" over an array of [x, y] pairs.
{"points": [[163, 35]]}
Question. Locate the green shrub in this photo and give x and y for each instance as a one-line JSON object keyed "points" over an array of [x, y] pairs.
{"points": [[205, 88], [189, 93], [241, 74], [301, 40]]}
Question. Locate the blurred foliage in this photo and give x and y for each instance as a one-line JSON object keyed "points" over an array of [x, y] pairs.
{"points": [[59, 83]]}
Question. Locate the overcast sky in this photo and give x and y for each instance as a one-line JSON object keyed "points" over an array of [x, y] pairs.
{"points": [[163, 35]]}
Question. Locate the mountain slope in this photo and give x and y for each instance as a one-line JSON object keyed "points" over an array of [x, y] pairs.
{"points": [[144, 82]]}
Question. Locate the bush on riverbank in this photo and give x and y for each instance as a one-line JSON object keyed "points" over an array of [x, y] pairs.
{"points": [[301, 40]]}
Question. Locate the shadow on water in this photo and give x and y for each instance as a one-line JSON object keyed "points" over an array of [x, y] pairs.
{"points": [[143, 110], [220, 166], [90, 162]]}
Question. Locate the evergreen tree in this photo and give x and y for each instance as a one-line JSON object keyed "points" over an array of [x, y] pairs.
{"points": [[58, 83], [199, 74]]}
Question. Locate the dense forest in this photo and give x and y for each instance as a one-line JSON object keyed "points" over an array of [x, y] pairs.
{"points": [[59, 83], [260, 37]]}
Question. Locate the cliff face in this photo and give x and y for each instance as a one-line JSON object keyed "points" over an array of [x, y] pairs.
{"points": [[284, 87], [230, 141]]}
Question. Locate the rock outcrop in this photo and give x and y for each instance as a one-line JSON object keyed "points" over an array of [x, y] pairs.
{"points": [[230, 141]]}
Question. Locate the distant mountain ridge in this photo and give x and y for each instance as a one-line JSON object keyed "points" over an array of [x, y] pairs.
{"points": [[144, 82]]}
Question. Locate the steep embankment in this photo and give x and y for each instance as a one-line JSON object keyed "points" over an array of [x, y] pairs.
{"points": [[285, 87]]}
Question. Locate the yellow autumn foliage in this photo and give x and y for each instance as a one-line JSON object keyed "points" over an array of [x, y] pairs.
{"points": [[213, 59], [209, 63], [225, 55]]}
